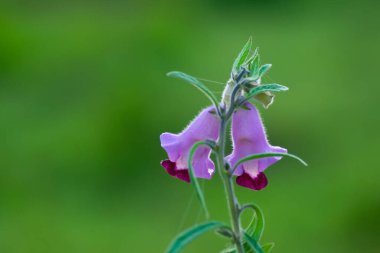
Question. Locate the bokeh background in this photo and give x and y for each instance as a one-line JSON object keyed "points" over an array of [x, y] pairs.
{"points": [[84, 98]]}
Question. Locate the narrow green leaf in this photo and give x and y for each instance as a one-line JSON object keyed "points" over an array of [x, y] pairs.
{"points": [[268, 247], [262, 155], [252, 59], [267, 87], [255, 67], [193, 179], [263, 69], [253, 243], [187, 236], [256, 227], [231, 249], [192, 80], [257, 232], [252, 225], [262, 89], [240, 59]]}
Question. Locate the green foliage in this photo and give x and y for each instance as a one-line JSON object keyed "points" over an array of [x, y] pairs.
{"points": [[267, 248], [262, 155], [252, 243], [254, 65], [252, 61], [264, 68], [256, 227], [266, 87], [254, 230], [241, 58], [189, 235], [253, 233], [262, 93], [192, 80], [230, 249]]}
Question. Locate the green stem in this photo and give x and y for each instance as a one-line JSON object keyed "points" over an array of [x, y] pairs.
{"points": [[228, 102], [228, 187]]}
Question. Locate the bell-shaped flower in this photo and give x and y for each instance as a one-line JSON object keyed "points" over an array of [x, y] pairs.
{"points": [[177, 146], [249, 137]]}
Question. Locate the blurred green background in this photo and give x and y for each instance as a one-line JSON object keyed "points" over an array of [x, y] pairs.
{"points": [[84, 98]]}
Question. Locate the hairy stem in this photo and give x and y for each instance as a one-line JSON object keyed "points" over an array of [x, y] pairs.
{"points": [[228, 187], [227, 108]]}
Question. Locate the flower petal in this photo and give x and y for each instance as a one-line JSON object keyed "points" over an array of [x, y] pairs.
{"points": [[202, 164], [249, 137], [171, 144], [204, 127], [257, 183], [171, 168]]}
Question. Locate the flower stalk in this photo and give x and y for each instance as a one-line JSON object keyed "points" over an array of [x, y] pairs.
{"points": [[222, 165]]}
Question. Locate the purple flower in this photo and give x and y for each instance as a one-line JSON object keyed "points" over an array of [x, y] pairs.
{"points": [[204, 126], [249, 137]]}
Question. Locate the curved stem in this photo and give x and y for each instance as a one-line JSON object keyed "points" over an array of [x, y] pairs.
{"points": [[233, 95], [193, 179], [245, 206]]}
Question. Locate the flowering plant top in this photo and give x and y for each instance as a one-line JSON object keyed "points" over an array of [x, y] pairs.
{"points": [[189, 151]]}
